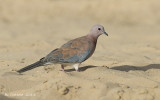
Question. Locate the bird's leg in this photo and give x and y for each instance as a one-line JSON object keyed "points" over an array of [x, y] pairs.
{"points": [[62, 66], [76, 66]]}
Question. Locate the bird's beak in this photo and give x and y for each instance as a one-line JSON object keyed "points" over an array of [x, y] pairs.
{"points": [[105, 33]]}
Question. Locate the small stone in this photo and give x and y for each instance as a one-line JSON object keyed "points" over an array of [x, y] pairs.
{"points": [[105, 66], [156, 86], [117, 97], [143, 91], [22, 60], [48, 68], [63, 90], [14, 70], [93, 86], [125, 86], [45, 81], [2, 88], [78, 87]]}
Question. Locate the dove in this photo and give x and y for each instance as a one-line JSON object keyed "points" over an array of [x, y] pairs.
{"points": [[72, 53]]}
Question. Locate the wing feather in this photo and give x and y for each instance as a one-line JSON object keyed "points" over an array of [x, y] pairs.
{"points": [[77, 50]]}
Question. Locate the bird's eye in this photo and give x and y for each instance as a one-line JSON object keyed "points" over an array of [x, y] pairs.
{"points": [[99, 28]]}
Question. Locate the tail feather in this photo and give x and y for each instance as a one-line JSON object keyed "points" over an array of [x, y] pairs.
{"points": [[29, 67]]}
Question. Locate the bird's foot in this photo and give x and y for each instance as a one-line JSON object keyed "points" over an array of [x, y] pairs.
{"points": [[62, 70]]}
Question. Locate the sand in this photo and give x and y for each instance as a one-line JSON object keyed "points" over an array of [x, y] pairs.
{"points": [[125, 65]]}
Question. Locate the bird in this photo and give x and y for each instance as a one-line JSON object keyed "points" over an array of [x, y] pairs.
{"points": [[72, 53]]}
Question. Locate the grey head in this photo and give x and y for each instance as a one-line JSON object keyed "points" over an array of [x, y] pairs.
{"points": [[97, 30]]}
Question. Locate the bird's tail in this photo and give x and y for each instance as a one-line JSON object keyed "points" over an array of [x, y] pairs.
{"points": [[29, 67]]}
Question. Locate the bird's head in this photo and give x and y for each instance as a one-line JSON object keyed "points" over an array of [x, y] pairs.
{"points": [[97, 30]]}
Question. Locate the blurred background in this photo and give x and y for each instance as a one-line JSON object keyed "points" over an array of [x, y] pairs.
{"points": [[117, 12], [133, 26], [113, 12]]}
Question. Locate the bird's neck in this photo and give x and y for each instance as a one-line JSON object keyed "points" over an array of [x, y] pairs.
{"points": [[93, 38]]}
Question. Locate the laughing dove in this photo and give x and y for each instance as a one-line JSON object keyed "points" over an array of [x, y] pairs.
{"points": [[73, 52]]}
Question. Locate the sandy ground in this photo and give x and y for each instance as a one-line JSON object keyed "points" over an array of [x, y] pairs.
{"points": [[125, 65]]}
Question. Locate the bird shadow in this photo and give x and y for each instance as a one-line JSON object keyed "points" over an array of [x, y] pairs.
{"points": [[127, 68], [81, 69]]}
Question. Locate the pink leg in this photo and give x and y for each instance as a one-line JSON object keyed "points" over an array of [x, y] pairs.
{"points": [[62, 66]]}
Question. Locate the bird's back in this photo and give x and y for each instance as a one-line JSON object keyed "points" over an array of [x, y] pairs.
{"points": [[74, 51]]}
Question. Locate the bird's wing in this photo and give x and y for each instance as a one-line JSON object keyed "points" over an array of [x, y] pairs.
{"points": [[74, 51]]}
